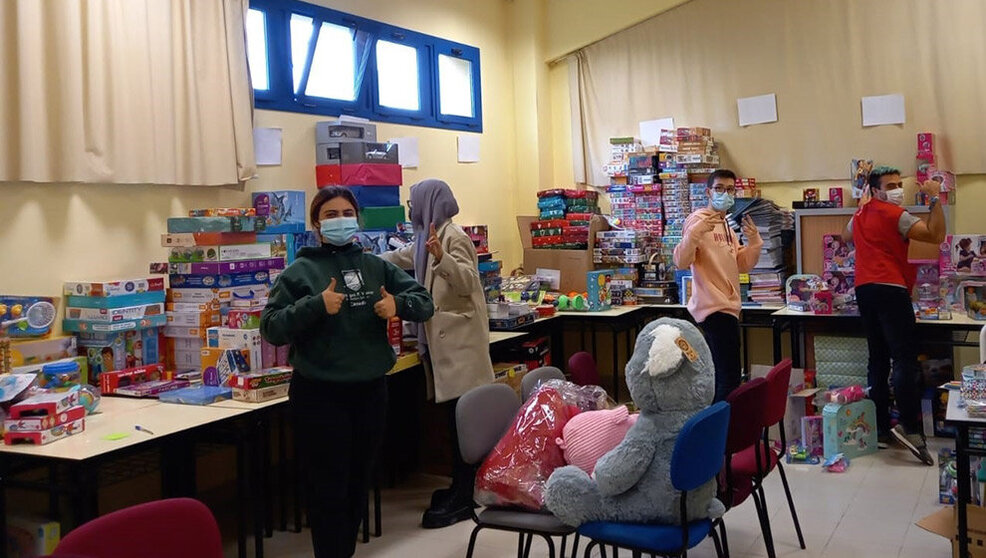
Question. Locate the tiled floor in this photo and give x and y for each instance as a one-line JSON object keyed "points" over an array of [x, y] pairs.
{"points": [[867, 512]]}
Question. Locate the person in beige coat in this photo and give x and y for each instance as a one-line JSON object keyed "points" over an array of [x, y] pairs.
{"points": [[454, 343]]}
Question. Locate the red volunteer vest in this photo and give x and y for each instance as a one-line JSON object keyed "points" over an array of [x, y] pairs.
{"points": [[881, 252]]}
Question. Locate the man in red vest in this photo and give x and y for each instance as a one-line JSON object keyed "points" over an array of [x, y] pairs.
{"points": [[882, 230]]}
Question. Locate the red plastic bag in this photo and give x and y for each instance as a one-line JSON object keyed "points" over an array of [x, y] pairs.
{"points": [[516, 471]]}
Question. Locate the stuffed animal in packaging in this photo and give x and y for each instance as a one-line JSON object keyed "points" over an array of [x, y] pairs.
{"points": [[671, 377]]}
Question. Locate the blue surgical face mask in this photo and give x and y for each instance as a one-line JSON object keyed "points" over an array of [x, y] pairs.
{"points": [[339, 231], [721, 202]]}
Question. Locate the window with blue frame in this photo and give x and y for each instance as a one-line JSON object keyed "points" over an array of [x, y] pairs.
{"points": [[306, 58]]}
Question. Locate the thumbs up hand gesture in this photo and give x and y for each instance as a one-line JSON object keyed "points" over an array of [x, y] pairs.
{"points": [[386, 307], [434, 245], [332, 299]]}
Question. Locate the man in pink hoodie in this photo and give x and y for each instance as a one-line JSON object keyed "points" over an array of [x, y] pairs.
{"points": [[713, 252]]}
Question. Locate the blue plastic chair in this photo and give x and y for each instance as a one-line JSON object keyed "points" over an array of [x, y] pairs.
{"points": [[696, 460]]}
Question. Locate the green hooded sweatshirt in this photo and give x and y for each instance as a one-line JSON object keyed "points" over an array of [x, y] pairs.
{"points": [[352, 345]]}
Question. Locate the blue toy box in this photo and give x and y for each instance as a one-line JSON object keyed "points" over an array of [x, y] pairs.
{"points": [[284, 210], [377, 196], [597, 285], [850, 429], [197, 395], [119, 350], [286, 245]]}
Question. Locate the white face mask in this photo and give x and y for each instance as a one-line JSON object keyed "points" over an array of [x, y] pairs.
{"points": [[896, 196]]}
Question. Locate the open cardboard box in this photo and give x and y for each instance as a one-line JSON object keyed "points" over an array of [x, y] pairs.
{"points": [[573, 264], [945, 522], [797, 402]]}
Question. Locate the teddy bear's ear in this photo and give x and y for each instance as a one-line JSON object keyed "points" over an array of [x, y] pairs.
{"points": [[665, 355]]}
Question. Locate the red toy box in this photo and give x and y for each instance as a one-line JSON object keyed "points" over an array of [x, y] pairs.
{"points": [[46, 422], [46, 404], [42, 437], [110, 382]]}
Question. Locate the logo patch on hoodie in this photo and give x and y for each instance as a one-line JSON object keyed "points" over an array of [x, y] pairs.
{"points": [[353, 279]]}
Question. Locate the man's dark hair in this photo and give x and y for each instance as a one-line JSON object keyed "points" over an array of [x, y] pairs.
{"points": [[879, 172], [719, 173]]}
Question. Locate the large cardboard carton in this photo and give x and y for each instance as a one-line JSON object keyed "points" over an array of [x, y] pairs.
{"points": [[573, 264], [945, 522]]}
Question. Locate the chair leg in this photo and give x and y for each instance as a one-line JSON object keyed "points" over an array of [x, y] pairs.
{"points": [[377, 511], [575, 546], [761, 506], [715, 541], [472, 540], [725, 540], [551, 546], [564, 545], [790, 504], [527, 545], [588, 549], [366, 517], [520, 545]]}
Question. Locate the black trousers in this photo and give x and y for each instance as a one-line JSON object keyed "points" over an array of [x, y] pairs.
{"points": [[891, 333], [338, 428], [463, 474], [722, 333]]}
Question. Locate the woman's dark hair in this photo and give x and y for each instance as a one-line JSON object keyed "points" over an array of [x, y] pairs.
{"points": [[330, 193], [720, 173]]}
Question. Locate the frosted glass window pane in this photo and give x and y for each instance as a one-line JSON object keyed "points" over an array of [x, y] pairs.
{"points": [[333, 74], [455, 86], [301, 35], [256, 28], [397, 75]]}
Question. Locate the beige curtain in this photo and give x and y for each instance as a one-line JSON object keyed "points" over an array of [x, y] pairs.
{"points": [[125, 91], [820, 58]]}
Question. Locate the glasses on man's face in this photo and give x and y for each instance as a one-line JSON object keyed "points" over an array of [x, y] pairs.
{"points": [[724, 190]]}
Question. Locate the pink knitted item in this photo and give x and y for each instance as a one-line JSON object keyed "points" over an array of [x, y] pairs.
{"points": [[590, 435]]}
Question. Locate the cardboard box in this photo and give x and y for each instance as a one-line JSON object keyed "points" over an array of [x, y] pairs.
{"points": [[509, 373], [286, 210], [107, 302], [198, 395], [152, 388], [573, 264], [185, 359], [45, 404], [945, 522], [195, 319], [219, 294], [376, 196], [263, 379], [110, 382], [221, 268], [371, 174], [47, 422], [261, 395], [115, 314], [206, 239], [119, 350], [249, 340], [597, 286], [243, 319], [219, 253], [216, 224], [88, 326], [344, 131], [42, 437], [29, 537], [113, 288], [219, 364]]}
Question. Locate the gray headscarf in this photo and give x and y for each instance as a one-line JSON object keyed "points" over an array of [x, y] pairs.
{"points": [[432, 203]]}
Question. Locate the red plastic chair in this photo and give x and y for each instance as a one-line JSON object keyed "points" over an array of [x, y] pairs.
{"points": [[757, 467], [583, 370], [179, 527], [746, 405]]}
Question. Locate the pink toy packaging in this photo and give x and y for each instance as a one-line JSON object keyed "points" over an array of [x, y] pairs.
{"points": [[838, 254], [811, 435], [821, 302]]}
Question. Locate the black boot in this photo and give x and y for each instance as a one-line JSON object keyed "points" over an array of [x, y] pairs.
{"points": [[456, 509]]}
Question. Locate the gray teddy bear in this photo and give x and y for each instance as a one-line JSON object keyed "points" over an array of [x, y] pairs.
{"points": [[671, 377]]}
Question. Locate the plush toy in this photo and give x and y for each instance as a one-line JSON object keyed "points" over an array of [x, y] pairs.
{"points": [[590, 435], [671, 377]]}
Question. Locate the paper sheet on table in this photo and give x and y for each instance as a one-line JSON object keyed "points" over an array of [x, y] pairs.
{"points": [[267, 145], [468, 148], [650, 130], [883, 109], [407, 151], [757, 110]]}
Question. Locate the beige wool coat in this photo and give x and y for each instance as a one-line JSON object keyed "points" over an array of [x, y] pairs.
{"points": [[459, 332]]}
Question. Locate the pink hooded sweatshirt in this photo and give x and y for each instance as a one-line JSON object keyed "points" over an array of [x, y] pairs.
{"points": [[716, 259]]}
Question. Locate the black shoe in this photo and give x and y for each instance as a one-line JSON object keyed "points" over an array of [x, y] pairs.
{"points": [[440, 498], [450, 514], [915, 443]]}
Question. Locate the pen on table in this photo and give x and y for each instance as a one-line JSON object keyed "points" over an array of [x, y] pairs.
{"points": [[142, 429]]}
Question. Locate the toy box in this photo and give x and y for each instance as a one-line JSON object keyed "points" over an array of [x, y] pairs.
{"points": [[180, 359], [510, 374], [821, 302], [838, 254], [963, 254], [88, 326], [206, 239], [376, 196], [218, 268], [382, 218], [344, 131], [811, 435], [42, 437], [249, 340], [849, 429], [227, 253], [119, 301], [800, 289], [263, 379], [152, 388], [115, 314], [30, 537], [111, 381], [974, 298], [287, 245], [44, 422], [243, 319], [223, 212], [44, 405], [219, 294], [113, 288], [219, 364], [948, 478], [261, 395], [371, 174], [598, 285], [859, 172], [328, 175], [119, 350], [216, 224], [31, 351], [185, 332], [283, 353], [286, 210], [198, 395], [195, 319], [26, 316]]}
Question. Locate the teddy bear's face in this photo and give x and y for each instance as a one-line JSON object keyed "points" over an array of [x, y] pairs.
{"points": [[671, 368]]}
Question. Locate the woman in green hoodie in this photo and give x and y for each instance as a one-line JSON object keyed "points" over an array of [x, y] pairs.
{"points": [[332, 305]]}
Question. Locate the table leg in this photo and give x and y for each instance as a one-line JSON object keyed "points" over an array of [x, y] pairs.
{"points": [[53, 511], [242, 487], [259, 481], [778, 331], [282, 469], [3, 508], [745, 346], [267, 473], [558, 345], [86, 493], [964, 486]]}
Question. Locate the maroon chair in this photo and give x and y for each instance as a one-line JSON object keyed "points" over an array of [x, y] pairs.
{"points": [[162, 529], [583, 370], [757, 465], [746, 405]]}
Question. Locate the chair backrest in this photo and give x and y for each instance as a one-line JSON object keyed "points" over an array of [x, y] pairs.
{"points": [[747, 404], [583, 370], [482, 416], [700, 447], [163, 529], [533, 379], [778, 384]]}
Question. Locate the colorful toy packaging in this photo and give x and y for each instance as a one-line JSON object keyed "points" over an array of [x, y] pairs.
{"points": [[838, 254], [26, 316], [218, 365], [261, 395], [113, 288], [263, 379], [26, 537], [119, 350], [948, 478], [110, 382], [811, 435], [974, 299], [598, 284], [248, 340], [34, 351], [963, 254], [197, 395], [859, 172], [283, 210], [849, 429]]}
